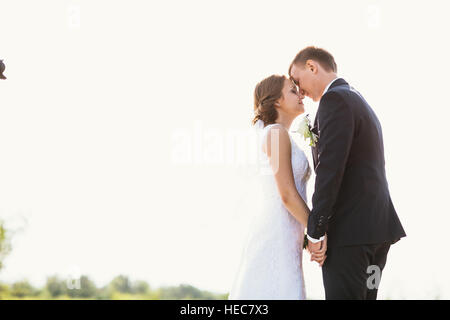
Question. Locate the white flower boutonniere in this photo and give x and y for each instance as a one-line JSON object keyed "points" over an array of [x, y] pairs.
{"points": [[304, 128]]}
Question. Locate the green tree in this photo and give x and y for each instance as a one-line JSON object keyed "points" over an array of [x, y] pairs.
{"points": [[121, 284], [140, 287], [55, 286], [104, 293], [183, 291], [4, 291], [22, 289], [87, 289], [5, 243]]}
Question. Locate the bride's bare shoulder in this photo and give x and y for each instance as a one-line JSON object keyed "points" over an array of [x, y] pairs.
{"points": [[276, 136]]}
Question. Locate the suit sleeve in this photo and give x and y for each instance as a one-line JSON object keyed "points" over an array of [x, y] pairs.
{"points": [[336, 129]]}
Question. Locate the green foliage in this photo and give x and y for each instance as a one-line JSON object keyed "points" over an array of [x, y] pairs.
{"points": [[121, 284], [85, 288], [104, 293], [140, 287], [22, 289], [184, 292], [5, 243], [55, 286], [4, 291], [120, 288]]}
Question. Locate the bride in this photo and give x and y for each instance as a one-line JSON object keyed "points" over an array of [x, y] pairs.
{"points": [[271, 264]]}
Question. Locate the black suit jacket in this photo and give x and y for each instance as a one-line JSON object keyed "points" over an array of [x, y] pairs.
{"points": [[351, 200]]}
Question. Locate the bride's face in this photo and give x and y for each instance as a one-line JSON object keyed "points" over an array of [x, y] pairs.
{"points": [[291, 101]]}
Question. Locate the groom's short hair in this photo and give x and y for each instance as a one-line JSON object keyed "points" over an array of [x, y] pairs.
{"points": [[323, 57]]}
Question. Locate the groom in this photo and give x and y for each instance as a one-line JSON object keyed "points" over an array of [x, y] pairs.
{"points": [[351, 201]]}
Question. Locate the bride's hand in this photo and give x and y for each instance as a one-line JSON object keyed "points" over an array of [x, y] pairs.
{"points": [[320, 255]]}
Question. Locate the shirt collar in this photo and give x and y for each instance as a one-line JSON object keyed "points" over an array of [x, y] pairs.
{"points": [[329, 85]]}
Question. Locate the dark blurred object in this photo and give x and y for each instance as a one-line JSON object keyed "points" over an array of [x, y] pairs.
{"points": [[2, 69]]}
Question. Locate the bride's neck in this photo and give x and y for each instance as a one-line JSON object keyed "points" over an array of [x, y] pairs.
{"points": [[286, 123]]}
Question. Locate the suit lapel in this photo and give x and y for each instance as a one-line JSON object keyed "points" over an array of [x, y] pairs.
{"points": [[315, 128]]}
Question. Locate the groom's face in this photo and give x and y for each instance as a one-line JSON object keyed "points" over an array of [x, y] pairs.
{"points": [[304, 78]]}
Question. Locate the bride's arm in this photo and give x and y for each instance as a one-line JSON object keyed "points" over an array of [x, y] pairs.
{"points": [[277, 146]]}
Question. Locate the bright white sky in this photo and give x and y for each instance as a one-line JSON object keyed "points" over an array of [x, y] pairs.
{"points": [[99, 91]]}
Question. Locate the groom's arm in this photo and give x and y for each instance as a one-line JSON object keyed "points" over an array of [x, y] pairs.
{"points": [[336, 129]]}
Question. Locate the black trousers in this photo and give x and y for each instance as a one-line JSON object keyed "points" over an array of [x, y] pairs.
{"points": [[354, 272]]}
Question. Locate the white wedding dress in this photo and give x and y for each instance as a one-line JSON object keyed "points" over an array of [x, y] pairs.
{"points": [[271, 262]]}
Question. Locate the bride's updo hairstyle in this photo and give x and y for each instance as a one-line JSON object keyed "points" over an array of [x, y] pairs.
{"points": [[267, 92]]}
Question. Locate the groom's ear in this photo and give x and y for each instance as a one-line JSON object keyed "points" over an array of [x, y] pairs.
{"points": [[312, 66]]}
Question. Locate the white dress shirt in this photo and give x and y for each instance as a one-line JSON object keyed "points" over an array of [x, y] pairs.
{"points": [[324, 91], [329, 85]]}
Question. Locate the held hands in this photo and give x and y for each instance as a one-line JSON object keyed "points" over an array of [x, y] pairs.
{"points": [[318, 251]]}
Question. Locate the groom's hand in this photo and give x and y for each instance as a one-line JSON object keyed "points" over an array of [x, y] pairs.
{"points": [[314, 247], [318, 251]]}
